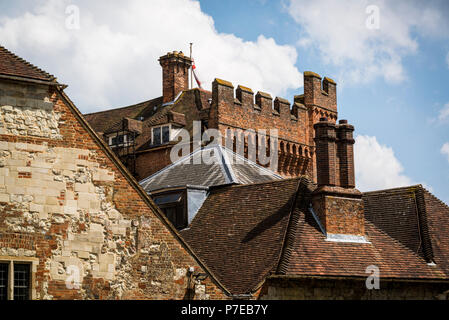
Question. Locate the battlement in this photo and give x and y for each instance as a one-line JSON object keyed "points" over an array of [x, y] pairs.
{"points": [[236, 111], [318, 92], [241, 108], [260, 104]]}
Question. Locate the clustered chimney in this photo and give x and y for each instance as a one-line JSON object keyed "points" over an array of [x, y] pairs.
{"points": [[338, 204], [175, 74]]}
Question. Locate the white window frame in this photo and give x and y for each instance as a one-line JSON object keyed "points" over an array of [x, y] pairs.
{"points": [[33, 262], [125, 140]]}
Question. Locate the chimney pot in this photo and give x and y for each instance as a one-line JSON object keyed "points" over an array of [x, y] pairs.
{"points": [[343, 121]]}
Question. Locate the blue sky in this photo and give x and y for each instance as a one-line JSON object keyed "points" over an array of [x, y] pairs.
{"points": [[400, 115], [392, 81]]}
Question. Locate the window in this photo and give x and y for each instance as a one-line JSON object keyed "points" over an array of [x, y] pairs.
{"points": [[19, 279], [165, 134], [4, 281], [120, 139], [157, 136], [161, 135], [173, 206]]}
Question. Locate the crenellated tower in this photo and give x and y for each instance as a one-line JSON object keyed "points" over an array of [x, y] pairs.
{"points": [[233, 111]]}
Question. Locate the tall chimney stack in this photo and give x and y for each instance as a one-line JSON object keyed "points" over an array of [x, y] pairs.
{"points": [[326, 155], [338, 204], [345, 154], [175, 74]]}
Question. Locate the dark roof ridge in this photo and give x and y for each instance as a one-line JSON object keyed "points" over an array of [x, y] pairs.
{"points": [[119, 108], [397, 189], [423, 225], [290, 234]]}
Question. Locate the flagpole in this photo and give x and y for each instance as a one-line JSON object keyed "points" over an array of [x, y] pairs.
{"points": [[191, 70]]}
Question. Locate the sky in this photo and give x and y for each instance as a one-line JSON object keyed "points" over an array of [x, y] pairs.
{"points": [[390, 60]]}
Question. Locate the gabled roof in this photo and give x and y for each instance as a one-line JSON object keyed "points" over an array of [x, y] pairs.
{"points": [[134, 184], [12, 65], [244, 233], [239, 231], [223, 167], [188, 105], [27, 70], [393, 242]]}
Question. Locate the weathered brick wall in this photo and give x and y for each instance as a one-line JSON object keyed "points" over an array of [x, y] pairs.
{"points": [[338, 214], [315, 289], [149, 162], [65, 204], [242, 112]]}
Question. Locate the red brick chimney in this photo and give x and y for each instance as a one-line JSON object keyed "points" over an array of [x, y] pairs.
{"points": [[175, 74], [326, 155], [337, 203], [345, 154]]}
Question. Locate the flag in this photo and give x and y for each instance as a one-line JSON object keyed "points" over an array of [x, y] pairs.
{"points": [[194, 74]]}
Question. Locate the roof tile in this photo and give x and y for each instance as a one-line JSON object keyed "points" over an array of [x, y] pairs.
{"points": [[12, 65]]}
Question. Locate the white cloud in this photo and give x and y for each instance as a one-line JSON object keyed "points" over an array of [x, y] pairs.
{"points": [[445, 150], [112, 59], [443, 116], [338, 30], [377, 166]]}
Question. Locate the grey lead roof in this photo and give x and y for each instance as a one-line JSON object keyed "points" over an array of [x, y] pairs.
{"points": [[217, 166]]}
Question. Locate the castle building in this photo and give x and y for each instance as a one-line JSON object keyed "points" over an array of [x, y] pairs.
{"points": [[76, 224], [143, 134]]}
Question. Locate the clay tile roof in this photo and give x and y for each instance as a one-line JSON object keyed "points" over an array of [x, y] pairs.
{"points": [[391, 227], [438, 228], [400, 214], [246, 233], [12, 65], [239, 231], [106, 121]]}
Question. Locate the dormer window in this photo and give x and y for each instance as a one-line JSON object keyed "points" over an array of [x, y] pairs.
{"points": [[121, 140], [161, 135], [173, 205]]}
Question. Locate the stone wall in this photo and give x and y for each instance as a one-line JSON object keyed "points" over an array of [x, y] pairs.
{"points": [[27, 111], [340, 289], [69, 208]]}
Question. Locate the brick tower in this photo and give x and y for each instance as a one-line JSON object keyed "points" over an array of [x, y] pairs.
{"points": [[175, 74]]}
